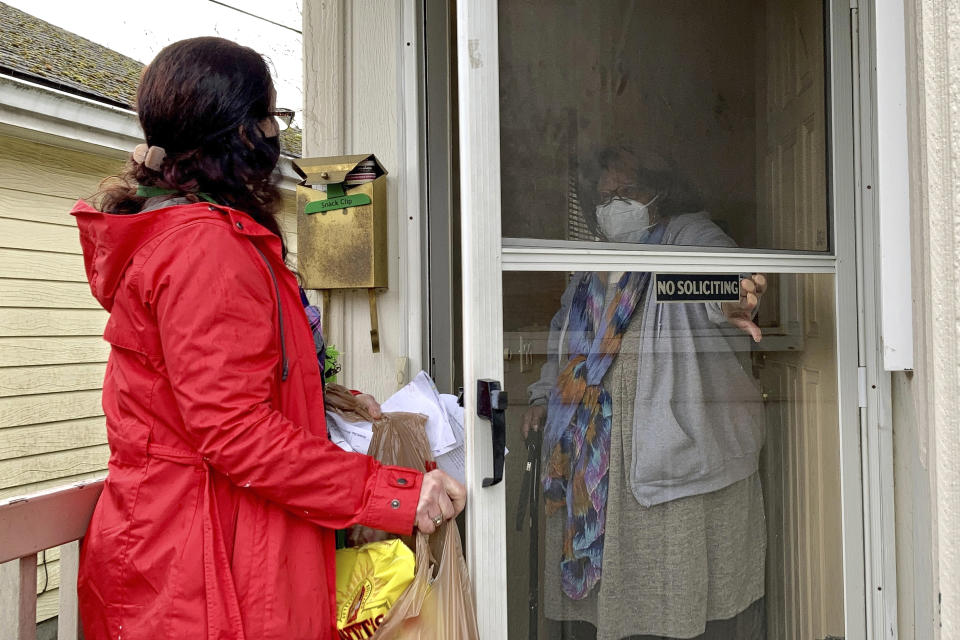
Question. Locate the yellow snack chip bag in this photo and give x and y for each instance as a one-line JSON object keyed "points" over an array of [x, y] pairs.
{"points": [[369, 580]]}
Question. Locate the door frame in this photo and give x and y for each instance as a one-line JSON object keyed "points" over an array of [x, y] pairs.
{"points": [[478, 122], [876, 415], [868, 544]]}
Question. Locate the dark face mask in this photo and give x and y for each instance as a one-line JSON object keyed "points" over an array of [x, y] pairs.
{"points": [[265, 154], [274, 146]]}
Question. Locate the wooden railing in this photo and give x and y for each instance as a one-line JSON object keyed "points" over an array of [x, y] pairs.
{"points": [[28, 525]]}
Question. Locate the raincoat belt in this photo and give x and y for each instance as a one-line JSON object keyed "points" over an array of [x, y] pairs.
{"points": [[223, 606]]}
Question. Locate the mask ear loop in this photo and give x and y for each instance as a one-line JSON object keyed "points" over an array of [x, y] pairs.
{"points": [[654, 213]]}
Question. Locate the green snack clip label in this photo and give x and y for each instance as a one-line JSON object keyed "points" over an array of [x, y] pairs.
{"points": [[332, 204], [336, 199]]}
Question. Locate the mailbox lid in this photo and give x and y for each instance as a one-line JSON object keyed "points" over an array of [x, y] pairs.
{"points": [[333, 169]]}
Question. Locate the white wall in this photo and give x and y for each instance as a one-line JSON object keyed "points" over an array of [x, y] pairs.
{"points": [[916, 611], [355, 102], [928, 441]]}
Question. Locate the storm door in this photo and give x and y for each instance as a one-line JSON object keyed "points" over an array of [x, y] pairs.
{"points": [[635, 176]]}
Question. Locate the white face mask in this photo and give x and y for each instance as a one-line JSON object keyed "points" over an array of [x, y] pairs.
{"points": [[624, 220]]}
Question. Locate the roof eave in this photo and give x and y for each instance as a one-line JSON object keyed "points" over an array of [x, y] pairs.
{"points": [[61, 118], [46, 111]]}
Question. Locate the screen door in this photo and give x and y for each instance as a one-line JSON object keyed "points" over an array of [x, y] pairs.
{"points": [[634, 177]]}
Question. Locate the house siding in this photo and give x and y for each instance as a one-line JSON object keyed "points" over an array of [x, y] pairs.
{"points": [[52, 355]]}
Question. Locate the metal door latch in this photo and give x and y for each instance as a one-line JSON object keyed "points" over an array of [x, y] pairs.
{"points": [[492, 405]]}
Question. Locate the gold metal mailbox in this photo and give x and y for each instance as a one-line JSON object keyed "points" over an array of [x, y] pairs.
{"points": [[342, 224]]}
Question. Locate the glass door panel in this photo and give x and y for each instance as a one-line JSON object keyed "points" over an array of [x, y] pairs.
{"points": [[714, 107], [688, 481], [685, 486]]}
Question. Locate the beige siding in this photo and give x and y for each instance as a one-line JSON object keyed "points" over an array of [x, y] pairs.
{"points": [[22, 381], [20, 322], [52, 355], [27, 264], [35, 440], [52, 483]]}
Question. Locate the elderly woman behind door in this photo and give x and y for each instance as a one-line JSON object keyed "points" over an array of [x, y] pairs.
{"points": [[652, 434]]}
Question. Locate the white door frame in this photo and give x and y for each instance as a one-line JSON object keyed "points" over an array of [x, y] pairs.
{"points": [[479, 122], [868, 554], [873, 251]]}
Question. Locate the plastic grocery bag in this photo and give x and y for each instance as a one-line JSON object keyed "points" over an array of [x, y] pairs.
{"points": [[370, 579], [399, 439], [439, 602]]}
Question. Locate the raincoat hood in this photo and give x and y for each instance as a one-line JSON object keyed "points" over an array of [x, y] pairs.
{"points": [[109, 240]]}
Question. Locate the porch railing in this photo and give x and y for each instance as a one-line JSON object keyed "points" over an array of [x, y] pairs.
{"points": [[28, 525]]}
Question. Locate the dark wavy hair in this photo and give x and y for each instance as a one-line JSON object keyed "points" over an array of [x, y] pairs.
{"points": [[202, 99]]}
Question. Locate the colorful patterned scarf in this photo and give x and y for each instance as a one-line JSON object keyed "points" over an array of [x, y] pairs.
{"points": [[577, 432], [313, 317]]}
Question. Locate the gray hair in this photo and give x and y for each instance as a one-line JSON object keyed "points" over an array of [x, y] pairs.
{"points": [[651, 170]]}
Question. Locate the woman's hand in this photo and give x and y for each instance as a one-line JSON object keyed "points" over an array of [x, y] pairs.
{"points": [[441, 498], [361, 406], [369, 404], [534, 418], [740, 314]]}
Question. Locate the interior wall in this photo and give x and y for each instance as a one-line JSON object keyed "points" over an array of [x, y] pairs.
{"points": [[677, 78]]}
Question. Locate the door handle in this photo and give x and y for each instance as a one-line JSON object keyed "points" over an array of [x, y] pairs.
{"points": [[492, 405]]}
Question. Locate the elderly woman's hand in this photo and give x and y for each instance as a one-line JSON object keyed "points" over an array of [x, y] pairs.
{"points": [[740, 314], [533, 419], [441, 498]]}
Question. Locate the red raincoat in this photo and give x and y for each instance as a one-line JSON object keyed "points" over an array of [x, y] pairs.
{"points": [[217, 517]]}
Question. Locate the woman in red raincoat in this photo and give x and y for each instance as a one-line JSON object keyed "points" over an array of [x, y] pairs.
{"points": [[218, 514]]}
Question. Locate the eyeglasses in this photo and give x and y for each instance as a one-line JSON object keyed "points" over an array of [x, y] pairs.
{"points": [[624, 192], [284, 118]]}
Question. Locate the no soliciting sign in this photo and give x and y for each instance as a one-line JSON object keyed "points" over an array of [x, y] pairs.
{"points": [[696, 287]]}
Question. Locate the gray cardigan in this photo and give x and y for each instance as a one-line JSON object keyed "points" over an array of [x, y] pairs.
{"points": [[698, 414]]}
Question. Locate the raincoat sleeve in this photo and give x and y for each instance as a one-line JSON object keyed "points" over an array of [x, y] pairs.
{"points": [[215, 307]]}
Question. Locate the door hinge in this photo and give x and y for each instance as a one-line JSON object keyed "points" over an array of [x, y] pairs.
{"points": [[862, 387]]}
